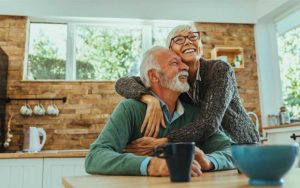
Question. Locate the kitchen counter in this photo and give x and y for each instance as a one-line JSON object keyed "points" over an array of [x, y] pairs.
{"points": [[282, 126], [217, 179], [45, 154]]}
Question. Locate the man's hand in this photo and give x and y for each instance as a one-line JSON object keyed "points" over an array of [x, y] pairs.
{"points": [[202, 159], [196, 169], [158, 167], [154, 116], [144, 145]]}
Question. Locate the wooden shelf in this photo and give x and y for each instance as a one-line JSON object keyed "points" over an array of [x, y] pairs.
{"points": [[231, 55], [282, 126]]}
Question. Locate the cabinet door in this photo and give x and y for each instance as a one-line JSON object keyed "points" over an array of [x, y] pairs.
{"points": [[21, 173], [283, 136], [56, 168]]}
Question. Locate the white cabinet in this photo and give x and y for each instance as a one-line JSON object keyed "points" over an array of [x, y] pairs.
{"points": [[56, 168], [38, 172], [21, 173], [283, 135]]}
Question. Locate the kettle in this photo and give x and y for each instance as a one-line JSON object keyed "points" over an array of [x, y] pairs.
{"points": [[32, 140]]}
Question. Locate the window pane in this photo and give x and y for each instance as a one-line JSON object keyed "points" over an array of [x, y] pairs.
{"points": [[160, 35], [107, 53], [47, 51], [289, 56]]}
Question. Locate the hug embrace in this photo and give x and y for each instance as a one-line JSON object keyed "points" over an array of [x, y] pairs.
{"points": [[179, 97]]}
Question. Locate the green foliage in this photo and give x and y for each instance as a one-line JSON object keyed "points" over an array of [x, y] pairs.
{"points": [[112, 53], [101, 54], [289, 53], [44, 63], [43, 68]]}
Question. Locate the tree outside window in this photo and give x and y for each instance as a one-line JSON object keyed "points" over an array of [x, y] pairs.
{"points": [[47, 52], [289, 59], [89, 51], [107, 53]]}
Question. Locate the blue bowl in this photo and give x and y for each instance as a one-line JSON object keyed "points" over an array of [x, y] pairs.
{"points": [[264, 164]]}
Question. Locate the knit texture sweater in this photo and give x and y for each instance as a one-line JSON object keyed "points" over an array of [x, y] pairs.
{"points": [[106, 154], [218, 100]]}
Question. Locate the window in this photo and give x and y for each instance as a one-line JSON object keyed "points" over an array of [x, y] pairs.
{"points": [[90, 51], [107, 53], [47, 51], [289, 59]]}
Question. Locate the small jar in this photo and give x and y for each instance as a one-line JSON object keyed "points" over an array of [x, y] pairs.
{"points": [[284, 116]]}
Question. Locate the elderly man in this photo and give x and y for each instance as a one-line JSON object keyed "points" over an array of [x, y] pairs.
{"points": [[166, 76]]}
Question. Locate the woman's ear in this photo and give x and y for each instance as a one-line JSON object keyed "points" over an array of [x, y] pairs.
{"points": [[153, 76]]}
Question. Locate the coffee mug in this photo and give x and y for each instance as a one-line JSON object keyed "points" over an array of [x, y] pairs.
{"points": [[26, 110], [52, 110], [179, 157], [39, 110]]}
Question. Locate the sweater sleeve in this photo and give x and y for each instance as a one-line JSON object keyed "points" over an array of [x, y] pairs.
{"points": [[131, 87], [217, 148], [212, 109], [106, 155]]}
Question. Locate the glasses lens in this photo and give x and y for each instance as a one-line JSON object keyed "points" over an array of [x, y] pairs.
{"points": [[193, 36], [179, 39]]}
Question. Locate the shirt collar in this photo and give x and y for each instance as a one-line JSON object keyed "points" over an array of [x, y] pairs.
{"points": [[198, 77], [193, 93], [179, 110]]}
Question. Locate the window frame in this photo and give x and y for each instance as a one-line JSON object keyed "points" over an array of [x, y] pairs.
{"points": [[146, 27]]}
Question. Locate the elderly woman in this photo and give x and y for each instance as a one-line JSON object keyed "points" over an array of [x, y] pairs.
{"points": [[213, 89]]}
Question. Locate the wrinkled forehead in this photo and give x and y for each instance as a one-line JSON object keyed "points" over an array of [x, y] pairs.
{"points": [[182, 32], [166, 56]]}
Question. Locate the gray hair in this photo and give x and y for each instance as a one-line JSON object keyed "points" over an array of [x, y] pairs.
{"points": [[149, 62], [178, 29]]}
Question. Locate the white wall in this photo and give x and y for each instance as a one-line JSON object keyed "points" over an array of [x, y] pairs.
{"points": [[287, 22], [268, 69], [228, 11], [264, 7], [266, 31]]}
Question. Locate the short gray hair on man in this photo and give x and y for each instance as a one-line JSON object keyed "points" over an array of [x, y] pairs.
{"points": [[149, 62], [178, 29]]}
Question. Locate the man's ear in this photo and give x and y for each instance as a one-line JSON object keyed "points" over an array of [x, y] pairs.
{"points": [[153, 76]]}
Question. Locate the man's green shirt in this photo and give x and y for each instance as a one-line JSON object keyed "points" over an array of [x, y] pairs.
{"points": [[106, 154]]}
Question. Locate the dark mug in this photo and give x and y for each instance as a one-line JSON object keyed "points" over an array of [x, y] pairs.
{"points": [[179, 158]]}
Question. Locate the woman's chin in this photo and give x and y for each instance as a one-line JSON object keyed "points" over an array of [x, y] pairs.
{"points": [[189, 60]]}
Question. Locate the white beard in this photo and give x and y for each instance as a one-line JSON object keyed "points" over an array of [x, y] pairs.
{"points": [[175, 84]]}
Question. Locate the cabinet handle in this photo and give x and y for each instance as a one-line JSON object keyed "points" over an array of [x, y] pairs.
{"points": [[294, 136]]}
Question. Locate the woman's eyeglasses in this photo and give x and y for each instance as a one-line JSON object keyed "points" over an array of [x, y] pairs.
{"points": [[193, 36]]}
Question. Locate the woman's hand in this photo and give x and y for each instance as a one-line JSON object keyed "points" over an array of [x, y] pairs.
{"points": [[154, 116], [202, 159], [144, 145]]}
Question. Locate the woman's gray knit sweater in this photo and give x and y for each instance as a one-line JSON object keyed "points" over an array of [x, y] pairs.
{"points": [[218, 99]]}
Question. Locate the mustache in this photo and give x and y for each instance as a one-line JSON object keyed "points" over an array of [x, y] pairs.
{"points": [[183, 73]]}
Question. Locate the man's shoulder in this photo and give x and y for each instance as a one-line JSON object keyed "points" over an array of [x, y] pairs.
{"points": [[131, 103]]}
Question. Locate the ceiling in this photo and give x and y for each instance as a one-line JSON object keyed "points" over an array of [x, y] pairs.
{"points": [[229, 11]]}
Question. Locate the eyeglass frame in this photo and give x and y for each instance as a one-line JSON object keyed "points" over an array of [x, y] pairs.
{"points": [[185, 37]]}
